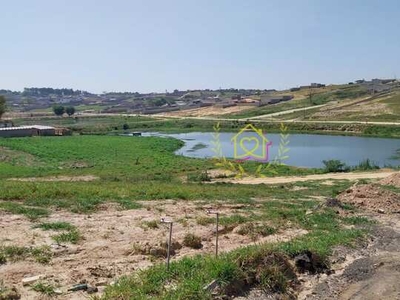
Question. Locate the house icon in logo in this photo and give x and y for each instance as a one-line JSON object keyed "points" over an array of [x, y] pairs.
{"points": [[254, 147]]}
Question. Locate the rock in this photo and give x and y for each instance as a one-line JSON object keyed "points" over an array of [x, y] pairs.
{"points": [[31, 280], [175, 245], [310, 262], [160, 252], [58, 292], [381, 211], [92, 289], [333, 202], [211, 286], [101, 283]]}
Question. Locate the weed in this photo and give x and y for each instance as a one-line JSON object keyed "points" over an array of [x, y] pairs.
{"points": [[72, 237], [32, 213], [204, 221], [254, 230], [57, 226], [357, 220], [366, 165], [44, 288], [151, 224], [41, 254], [334, 165], [192, 241]]}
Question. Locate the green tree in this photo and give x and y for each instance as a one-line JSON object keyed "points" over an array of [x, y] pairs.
{"points": [[70, 110], [59, 110], [2, 105]]}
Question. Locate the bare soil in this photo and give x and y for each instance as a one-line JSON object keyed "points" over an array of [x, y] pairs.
{"points": [[206, 111], [112, 238], [57, 178], [329, 176], [370, 272], [392, 180], [371, 197]]}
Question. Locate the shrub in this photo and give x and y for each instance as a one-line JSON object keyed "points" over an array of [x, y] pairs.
{"points": [[334, 165], [192, 241], [199, 177], [151, 224], [366, 165]]}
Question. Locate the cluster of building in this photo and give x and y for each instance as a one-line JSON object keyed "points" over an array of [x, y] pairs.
{"points": [[150, 103]]}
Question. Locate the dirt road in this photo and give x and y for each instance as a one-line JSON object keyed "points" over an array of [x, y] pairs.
{"points": [[375, 275], [284, 112], [328, 176]]}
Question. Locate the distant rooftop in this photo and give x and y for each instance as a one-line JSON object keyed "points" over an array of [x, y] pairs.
{"points": [[40, 127]]}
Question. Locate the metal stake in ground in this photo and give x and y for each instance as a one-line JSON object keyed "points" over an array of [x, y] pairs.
{"points": [[169, 241], [216, 213]]}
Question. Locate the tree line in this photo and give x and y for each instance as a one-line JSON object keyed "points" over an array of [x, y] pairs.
{"points": [[50, 91]]}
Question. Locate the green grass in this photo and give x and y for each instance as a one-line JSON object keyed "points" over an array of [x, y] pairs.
{"points": [[44, 288], [31, 212], [55, 226], [72, 236], [11, 253]]}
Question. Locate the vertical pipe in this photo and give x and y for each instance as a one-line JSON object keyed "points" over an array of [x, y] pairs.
{"points": [[216, 237], [169, 245]]}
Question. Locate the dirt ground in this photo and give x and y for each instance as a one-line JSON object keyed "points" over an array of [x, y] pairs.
{"points": [[56, 178], [114, 241], [338, 176], [111, 240], [369, 272], [206, 111]]}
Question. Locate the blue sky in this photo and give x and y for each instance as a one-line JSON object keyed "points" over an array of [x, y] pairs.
{"points": [[149, 45]]}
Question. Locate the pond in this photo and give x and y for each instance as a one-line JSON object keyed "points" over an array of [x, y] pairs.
{"points": [[305, 150]]}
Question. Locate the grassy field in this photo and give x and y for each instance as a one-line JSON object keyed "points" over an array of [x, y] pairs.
{"points": [[126, 169]]}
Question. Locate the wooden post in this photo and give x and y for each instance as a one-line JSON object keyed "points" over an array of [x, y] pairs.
{"points": [[216, 213], [169, 242]]}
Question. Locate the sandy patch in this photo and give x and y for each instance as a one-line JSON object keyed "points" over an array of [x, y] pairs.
{"points": [[206, 111], [57, 178], [328, 176]]}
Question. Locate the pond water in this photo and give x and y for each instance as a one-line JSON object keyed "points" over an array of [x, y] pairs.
{"points": [[305, 150]]}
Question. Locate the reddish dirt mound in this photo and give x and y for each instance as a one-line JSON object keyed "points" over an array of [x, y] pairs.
{"points": [[372, 198], [391, 180]]}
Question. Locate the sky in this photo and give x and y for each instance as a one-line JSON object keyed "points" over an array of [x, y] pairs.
{"points": [[158, 45]]}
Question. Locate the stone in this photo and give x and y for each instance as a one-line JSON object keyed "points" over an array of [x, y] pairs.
{"points": [[31, 280], [58, 292], [92, 289], [101, 283]]}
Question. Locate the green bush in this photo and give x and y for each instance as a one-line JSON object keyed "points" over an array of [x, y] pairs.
{"points": [[366, 165], [335, 165]]}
